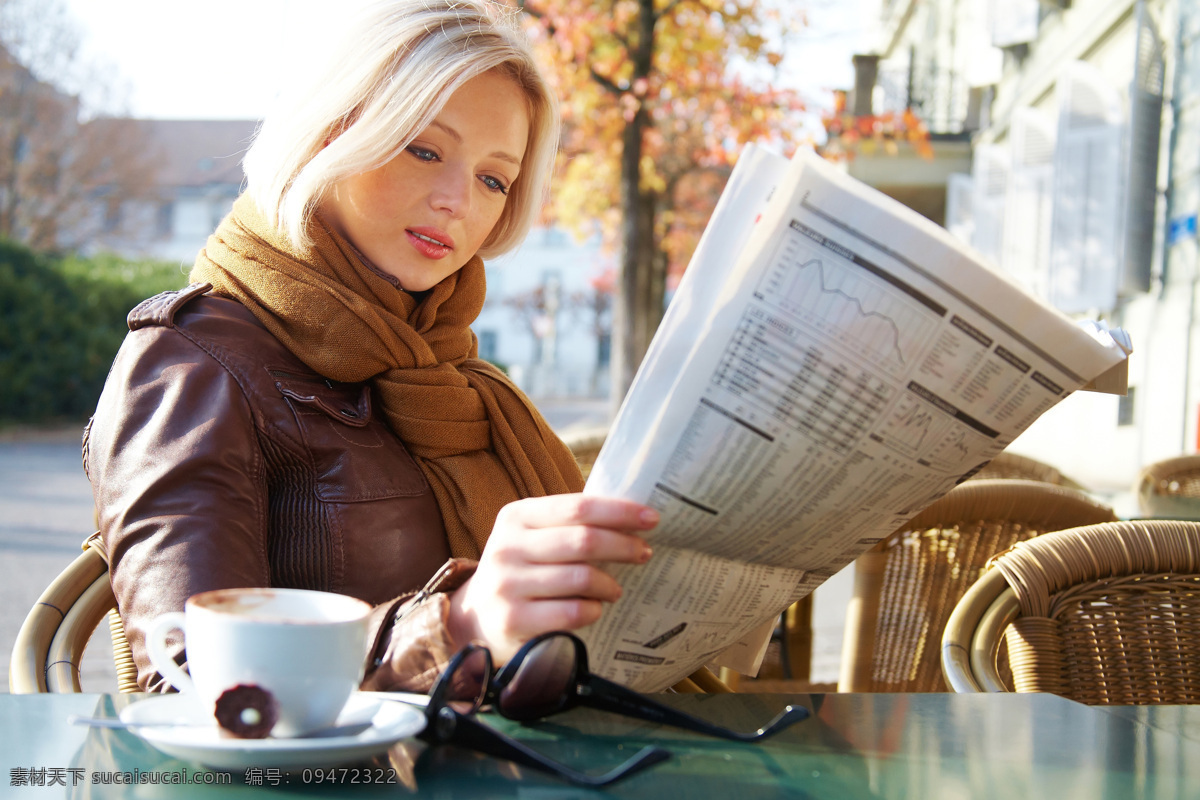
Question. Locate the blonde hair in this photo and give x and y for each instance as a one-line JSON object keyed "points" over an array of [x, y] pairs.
{"points": [[386, 82]]}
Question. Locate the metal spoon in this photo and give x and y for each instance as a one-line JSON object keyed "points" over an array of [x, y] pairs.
{"points": [[345, 729]]}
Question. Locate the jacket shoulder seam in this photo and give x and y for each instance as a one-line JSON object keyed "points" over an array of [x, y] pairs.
{"points": [[160, 310]]}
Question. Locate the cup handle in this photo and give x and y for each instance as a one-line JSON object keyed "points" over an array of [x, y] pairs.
{"points": [[156, 644]]}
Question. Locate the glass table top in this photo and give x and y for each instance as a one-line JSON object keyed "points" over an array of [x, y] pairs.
{"points": [[853, 746]]}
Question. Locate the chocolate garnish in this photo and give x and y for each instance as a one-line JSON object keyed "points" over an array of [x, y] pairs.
{"points": [[247, 711]]}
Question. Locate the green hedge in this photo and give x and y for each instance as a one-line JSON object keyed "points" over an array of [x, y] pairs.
{"points": [[61, 323]]}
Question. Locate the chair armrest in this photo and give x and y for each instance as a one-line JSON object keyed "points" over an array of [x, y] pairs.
{"points": [[27, 669], [958, 639]]}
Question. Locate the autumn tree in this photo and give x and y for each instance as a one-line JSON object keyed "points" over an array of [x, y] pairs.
{"points": [[63, 161], [650, 94]]}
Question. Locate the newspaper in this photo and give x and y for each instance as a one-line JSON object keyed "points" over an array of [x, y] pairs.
{"points": [[831, 364]]}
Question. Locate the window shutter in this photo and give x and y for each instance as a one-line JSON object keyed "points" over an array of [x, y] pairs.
{"points": [[959, 221], [1013, 22], [1087, 239], [1026, 233], [989, 174], [1145, 123]]}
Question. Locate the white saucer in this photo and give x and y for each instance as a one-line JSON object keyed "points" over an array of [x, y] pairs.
{"points": [[191, 734]]}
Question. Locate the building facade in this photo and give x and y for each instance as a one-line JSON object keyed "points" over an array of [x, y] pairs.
{"points": [[1082, 120], [197, 176]]}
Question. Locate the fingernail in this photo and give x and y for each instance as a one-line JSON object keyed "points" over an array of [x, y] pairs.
{"points": [[647, 551], [649, 516]]}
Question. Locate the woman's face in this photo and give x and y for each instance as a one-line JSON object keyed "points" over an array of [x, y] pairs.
{"points": [[425, 213]]}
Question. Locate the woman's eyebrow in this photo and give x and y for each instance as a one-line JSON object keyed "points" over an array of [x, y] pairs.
{"points": [[456, 136]]}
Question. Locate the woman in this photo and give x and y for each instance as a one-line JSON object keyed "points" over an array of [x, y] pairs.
{"points": [[310, 412]]}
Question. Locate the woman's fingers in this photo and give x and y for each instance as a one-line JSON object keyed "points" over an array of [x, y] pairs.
{"points": [[570, 528], [480, 612], [576, 509], [572, 544], [563, 614], [542, 568], [540, 582]]}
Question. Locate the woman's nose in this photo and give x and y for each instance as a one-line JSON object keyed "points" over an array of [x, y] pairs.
{"points": [[452, 193]]}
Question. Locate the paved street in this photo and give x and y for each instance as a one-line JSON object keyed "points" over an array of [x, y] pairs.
{"points": [[46, 513]]}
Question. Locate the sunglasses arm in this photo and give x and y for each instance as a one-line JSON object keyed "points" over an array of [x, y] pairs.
{"points": [[597, 692], [462, 730]]}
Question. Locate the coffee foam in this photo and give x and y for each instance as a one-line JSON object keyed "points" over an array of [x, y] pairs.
{"points": [[296, 606]]}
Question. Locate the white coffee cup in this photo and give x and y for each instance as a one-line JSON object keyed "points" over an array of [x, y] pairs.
{"points": [[306, 648]]}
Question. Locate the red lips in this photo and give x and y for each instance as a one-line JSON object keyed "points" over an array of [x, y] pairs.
{"points": [[430, 242]]}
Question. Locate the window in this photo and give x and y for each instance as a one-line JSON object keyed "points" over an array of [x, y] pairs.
{"points": [[959, 220], [1145, 129], [164, 218], [603, 350], [1087, 228], [488, 345], [989, 177], [1013, 22], [1025, 232]]}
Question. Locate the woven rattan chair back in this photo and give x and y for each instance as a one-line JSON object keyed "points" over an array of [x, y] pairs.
{"points": [[1170, 489], [908, 584], [585, 444], [1013, 466], [1103, 614]]}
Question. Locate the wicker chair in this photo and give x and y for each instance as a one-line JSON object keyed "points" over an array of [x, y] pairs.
{"points": [[1017, 467], [907, 585], [1103, 614], [1170, 489], [585, 444], [49, 646]]}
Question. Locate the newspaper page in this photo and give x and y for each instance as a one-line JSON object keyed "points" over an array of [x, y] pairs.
{"points": [[831, 364]]}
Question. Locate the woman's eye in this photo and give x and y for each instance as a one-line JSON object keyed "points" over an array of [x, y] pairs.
{"points": [[422, 153], [494, 184]]}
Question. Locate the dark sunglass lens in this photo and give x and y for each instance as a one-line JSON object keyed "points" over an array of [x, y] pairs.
{"points": [[542, 682], [467, 684]]}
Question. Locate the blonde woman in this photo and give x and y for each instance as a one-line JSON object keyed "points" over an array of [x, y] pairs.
{"points": [[310, 412]]}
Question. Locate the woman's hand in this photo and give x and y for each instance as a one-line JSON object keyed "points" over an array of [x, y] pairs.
{"points": [[539, 570]]}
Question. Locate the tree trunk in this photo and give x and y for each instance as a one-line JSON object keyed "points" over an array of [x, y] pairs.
{"points": [[640, 288]]}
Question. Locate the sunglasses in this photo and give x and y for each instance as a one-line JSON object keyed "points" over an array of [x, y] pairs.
{"points": [[549, 674], [462, 690]]}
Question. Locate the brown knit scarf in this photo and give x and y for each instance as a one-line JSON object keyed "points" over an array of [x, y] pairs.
{"points": [[478, 439]]}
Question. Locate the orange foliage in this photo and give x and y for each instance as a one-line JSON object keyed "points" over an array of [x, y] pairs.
{"points": [[849, 135], [698, 112]]}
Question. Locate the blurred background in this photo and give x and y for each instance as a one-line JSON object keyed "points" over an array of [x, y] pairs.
{"points": [[1056, 137]]}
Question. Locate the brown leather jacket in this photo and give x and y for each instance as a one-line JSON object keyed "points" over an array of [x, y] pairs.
{"points": [[219, 459]]}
